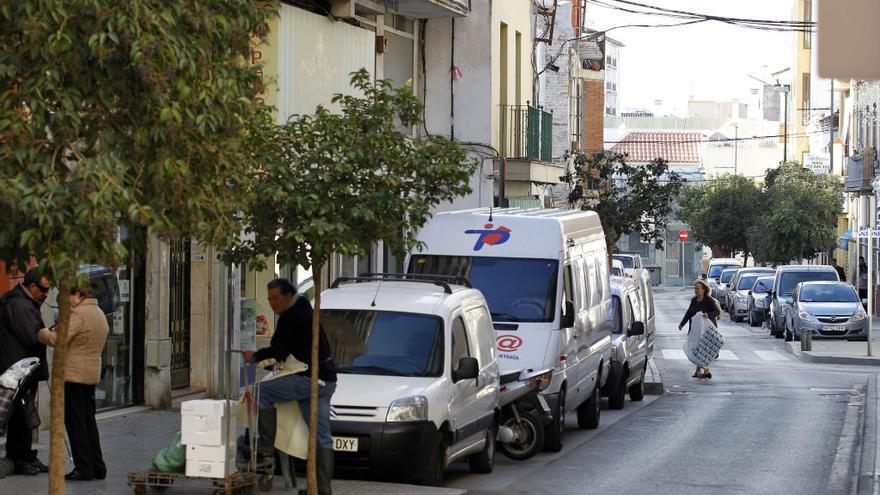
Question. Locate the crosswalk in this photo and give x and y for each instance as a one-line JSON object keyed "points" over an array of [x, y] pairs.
{"points": [[727, 355]]}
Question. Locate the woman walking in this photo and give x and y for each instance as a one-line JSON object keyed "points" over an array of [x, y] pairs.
{"points": [[86, 334], [702, 302]]}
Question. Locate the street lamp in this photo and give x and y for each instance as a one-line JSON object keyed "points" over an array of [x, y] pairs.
{"points": [[785, 89]]}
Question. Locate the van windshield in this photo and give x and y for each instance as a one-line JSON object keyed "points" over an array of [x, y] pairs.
{"points": [[715, 270], [726, 276], [384, 342], [788, 280], [517, 289], [626, 260]]}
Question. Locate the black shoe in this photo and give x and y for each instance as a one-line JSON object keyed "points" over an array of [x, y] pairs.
{"points": [[39, 465], [26, 469], [707, 375], [77, 475], [101, 475]]}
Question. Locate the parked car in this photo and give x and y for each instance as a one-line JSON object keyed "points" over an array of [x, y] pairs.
{"points": [[713, 273], [631, 262], [723, 280], [829, 310], [418, 376], [546, 277], [642, 279], [787, 277], [617, 268], [738, 291], [629, 346], [759, 300]]}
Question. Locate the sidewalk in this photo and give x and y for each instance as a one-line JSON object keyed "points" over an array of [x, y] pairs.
{"points": [[129, 443]]}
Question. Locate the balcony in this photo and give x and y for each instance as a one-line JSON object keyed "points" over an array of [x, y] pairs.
{"points": [[526, 133], [430, 9], [860, 174]]}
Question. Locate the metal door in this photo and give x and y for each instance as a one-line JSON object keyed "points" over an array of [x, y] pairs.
{"points": [[178, 314]]}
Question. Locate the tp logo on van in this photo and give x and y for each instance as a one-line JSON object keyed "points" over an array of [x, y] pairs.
{"points": [[508, 343], [490, 236]]}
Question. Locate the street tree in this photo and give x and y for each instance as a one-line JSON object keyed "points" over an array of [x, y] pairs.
{"points": [[721, 212], [341, 180], [120, 114], [628, 198], [798, 215]]}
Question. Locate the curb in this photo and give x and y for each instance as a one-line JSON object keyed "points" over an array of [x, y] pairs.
{"points": [[811, 357]]}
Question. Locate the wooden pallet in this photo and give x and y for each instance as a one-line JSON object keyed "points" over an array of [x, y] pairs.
{"points": [[239, 483]]}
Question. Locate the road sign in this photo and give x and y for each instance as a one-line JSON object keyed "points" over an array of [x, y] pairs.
{"points": [[682, 235]]}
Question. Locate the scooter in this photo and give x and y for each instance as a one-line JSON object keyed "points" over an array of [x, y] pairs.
{"points": [[524, 412]]}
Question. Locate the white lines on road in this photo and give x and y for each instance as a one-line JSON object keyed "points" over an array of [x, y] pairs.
{"points": [[772, 356], [726, 355], [673, 354]]}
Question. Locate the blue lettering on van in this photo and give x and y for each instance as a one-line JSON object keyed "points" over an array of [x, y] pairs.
{"points": [[490, 236], [508, 356]]}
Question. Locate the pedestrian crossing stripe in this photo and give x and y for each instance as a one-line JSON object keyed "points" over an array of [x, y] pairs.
{"points": [[727, 355]]}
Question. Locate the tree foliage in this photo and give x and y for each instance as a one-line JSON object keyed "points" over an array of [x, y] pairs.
{"points": [[798, 217], [120, 113], [628, 198], [340, 181], [720, 213]]}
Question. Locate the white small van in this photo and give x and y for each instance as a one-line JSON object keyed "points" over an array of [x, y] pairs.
{"points": [[545, 275], [418, 376], [630, 353]]}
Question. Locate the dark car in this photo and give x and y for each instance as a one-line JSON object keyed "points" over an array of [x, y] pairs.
{"points": [[759, 300]]}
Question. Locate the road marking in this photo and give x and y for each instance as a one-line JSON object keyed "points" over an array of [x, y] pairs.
{"points": [[724, 355], [772, 356], [673, 354]]}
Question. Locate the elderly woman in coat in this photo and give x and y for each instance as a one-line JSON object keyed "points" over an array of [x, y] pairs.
{"points": [[86, 335]]}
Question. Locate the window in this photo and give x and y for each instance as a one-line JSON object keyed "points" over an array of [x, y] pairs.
{"points": [[828, 293], [630, 317], [517, 289], [385, 342], [482, 332], [593, 283], [788, 280], [566, 289], [616, 315], [602, 269], [460, 346], [581, 285]]}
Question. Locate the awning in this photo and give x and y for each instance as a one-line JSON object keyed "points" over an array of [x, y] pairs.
{"points": [[844, 239]]}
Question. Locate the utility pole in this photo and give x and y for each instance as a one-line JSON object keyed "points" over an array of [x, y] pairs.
{"points": [[735, 147], [785, 89]]}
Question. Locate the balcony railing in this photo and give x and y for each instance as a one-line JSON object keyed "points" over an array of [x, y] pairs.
{"points": [[526, 133], [860, 173]]}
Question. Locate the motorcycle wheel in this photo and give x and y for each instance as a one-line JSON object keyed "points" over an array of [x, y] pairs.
{"points": [[530, 436]]}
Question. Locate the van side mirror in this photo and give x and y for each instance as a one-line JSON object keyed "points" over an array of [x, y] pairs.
{"points": [[467, 368], [637, 328], [703, 276], [567, 320]]}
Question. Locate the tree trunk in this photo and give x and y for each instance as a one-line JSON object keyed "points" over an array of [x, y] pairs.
{"points": [[311, 469], [56, 404], [745, 257]]}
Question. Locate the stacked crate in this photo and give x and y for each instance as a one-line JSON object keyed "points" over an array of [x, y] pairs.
{"points": [[208, 429]]}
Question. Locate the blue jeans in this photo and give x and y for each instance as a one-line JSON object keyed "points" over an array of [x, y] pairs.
{"points": [[296, 387]]}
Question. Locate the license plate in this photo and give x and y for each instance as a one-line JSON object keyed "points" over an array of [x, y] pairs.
{"points": [[543, 402], [345, 444], [835, 328]]}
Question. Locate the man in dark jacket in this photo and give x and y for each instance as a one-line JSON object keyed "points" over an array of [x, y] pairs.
{"points": [[293, 336], [20, 322]]}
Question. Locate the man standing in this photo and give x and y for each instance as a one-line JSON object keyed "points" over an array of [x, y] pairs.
{"points": [[840, 272], [293, 336], [860, 278], [20, 323]]}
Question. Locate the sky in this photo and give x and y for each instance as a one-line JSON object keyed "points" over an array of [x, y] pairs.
{"points": [[708, 61]]}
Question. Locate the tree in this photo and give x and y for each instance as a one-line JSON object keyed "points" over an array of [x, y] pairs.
{"points": [[720, 213], [120, 114], [628, 198], [799, 212], [340, 181]]}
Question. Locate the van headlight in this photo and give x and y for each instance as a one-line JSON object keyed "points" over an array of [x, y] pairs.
{"points": [[859, 315], [408, 409], [759, 303]]}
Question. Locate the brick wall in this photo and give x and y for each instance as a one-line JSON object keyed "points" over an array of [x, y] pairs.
{"points": [[594, 114]]}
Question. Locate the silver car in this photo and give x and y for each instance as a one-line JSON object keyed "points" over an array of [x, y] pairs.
{"points": [[723, 280], [629, 344], [738, 291], [829, 309]]}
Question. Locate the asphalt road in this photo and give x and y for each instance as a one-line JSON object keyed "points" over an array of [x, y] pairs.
{"points": [[764, 424]]}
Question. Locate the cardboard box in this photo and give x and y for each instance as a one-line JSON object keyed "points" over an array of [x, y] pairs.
{"points": [[210, 423], [211, 453]]}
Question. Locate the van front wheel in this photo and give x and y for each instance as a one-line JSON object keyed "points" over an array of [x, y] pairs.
{"points": [[485, 460], [437, 468], [553, 438]]}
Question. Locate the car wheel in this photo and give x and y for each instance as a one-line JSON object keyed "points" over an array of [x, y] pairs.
{"points": [[484, 461], [616, 398], [589, 412], [637, 391], [788, 334], [553, 434]]}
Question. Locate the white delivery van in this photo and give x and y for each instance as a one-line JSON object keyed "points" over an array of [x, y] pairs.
{"points": [[418, 376], [544, 273]]}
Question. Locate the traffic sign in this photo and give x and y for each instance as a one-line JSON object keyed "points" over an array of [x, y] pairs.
{"points": [[682, 235]]}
